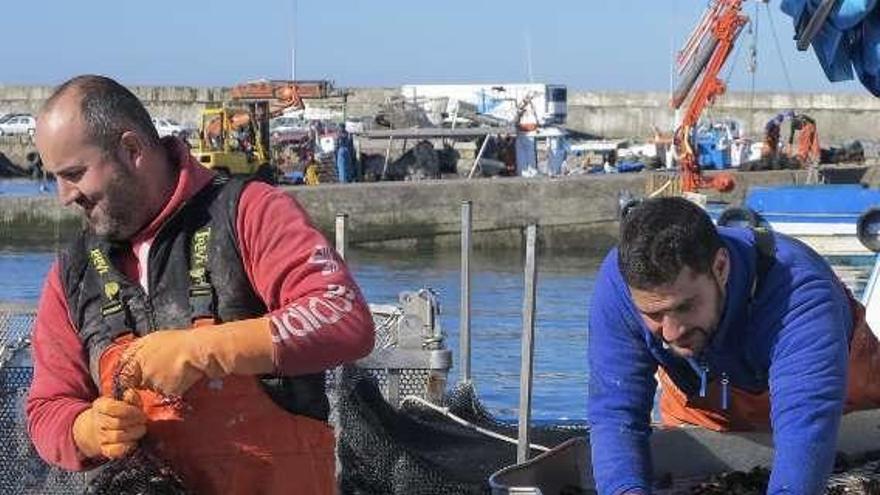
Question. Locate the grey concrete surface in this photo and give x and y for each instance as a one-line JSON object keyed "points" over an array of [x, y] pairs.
{"points": [[839, 117], [573, 213]]}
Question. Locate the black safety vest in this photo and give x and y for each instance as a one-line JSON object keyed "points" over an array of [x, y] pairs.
{"points": [[195, 270]]}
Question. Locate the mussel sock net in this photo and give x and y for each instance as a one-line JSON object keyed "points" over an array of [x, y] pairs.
{"points": [[416, 450], [139, 473]]}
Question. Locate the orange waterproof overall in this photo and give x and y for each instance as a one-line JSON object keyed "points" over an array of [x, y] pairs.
{"points": [[229, 437], [747, 411]]}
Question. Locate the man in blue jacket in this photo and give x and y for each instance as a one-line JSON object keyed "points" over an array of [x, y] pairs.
{"points": [[745, 329]]}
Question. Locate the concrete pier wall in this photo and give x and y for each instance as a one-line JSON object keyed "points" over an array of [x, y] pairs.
{"points": [[839, 117], [574, 213], [178, 102]]}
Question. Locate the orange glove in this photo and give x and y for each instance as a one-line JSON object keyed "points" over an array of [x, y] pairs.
{"points": [[110, 428], [171, 361]]}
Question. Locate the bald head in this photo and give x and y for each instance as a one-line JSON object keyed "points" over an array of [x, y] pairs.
{"points": [[98, 141], [105, 109]]}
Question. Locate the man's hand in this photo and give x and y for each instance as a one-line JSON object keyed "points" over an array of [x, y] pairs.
{"points": [[110, 428], [171, 361]]}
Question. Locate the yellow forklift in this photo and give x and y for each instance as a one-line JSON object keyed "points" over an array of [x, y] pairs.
{"points": [[234, 140]]}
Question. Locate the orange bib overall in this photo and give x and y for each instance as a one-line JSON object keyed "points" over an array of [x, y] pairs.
{"points": [[747, 411], [229, 437]]}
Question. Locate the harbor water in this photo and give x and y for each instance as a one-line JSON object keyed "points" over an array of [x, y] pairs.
{"points": [[26, 187]]}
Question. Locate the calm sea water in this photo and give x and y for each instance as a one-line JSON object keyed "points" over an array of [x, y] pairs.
{"points": [[565, 283], [26, 187]]}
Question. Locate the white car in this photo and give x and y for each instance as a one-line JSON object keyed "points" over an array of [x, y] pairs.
{"points": [[19, 124], [167, 127]]}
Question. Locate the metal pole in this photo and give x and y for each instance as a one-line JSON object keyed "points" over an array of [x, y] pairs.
{"points": [[387, 157], [293, 46], [341, 227], [528, 348], [464, 333], [479, 156], [814, 25]]}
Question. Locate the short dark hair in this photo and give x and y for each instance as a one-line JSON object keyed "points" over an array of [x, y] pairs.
{"points": [[661, 236], [108, 109]]}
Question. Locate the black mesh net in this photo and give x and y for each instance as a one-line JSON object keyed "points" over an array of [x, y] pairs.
{"points": [[417, 450], [22, 471]]}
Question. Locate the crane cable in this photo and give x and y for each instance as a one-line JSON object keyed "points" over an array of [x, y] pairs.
{"points": [[779, 53], [753, 65]]}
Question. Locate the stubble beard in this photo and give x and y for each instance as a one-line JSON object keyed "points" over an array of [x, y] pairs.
{"points": [[706, 332], [115, 218]]}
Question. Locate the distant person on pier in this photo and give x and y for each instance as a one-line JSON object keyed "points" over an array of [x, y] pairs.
{"points": [[193, 312], [344, 152], [745, 330], [312, 170]]}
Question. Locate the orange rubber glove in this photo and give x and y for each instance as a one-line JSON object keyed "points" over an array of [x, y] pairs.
{"points": [[110, 428], [171, 361]]}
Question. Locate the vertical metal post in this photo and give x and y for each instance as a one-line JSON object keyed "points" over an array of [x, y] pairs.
{"points": [[387, 158], [464, 325], [479, 156], [341, 227], [528, 348]]}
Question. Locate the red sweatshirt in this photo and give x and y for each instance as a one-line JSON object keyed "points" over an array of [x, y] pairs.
{"points": [[319, 315]]}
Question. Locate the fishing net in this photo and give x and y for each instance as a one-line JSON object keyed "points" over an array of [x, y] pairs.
{"points": [[22, 471], [416, 449]]}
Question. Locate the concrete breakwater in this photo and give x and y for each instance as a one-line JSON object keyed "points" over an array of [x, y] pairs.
{"points": [[839, 116], [573, 213]]}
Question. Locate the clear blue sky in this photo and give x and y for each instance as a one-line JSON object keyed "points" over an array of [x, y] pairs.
{"points": [[586, 44]]}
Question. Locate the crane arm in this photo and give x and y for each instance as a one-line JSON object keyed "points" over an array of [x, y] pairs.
{"points": [[281, 95], [702, 59], [726, 28]]}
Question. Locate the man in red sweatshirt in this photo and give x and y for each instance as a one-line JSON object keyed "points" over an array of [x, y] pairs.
{"points": [[193, 313]]}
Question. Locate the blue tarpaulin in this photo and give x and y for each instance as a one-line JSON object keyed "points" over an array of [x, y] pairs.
{"points": [[630, 166], [848, 41]]}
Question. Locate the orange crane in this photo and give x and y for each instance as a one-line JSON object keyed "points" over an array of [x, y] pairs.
{"points": [[700, 62], [280, 95]]}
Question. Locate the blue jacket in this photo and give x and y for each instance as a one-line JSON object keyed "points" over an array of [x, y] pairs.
{"points": [[792, 336]]}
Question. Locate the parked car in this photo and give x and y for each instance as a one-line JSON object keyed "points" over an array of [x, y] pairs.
{"points": [[167, 127], [18, 124], [7, 116]]}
